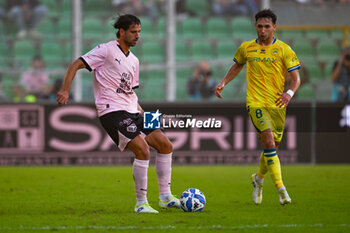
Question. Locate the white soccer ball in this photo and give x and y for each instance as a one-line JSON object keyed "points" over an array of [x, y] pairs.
{"points": [[192, 200]]}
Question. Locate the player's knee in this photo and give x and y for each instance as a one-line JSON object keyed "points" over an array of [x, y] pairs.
{"points": [[168, 147], [142, 152], [165, 146], [269, 144]]}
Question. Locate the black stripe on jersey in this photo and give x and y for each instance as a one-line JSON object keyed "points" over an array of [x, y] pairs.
{"points": [[135, 87], [86, 65], [235, 60], [294, 68]]}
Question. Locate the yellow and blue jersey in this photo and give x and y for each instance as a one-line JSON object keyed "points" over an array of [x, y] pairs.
{"points": [[266, 70]]}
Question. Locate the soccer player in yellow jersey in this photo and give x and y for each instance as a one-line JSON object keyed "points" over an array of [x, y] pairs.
{"points": [[268, 60]]}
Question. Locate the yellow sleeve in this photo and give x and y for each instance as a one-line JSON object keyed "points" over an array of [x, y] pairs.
{"points": [[291, 61], [240, 56]]}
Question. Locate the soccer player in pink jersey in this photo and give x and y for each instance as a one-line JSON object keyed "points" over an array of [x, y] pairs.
{"points": [[116, 74]]}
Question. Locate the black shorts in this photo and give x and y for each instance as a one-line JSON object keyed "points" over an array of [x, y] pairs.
{"points": [[123, 126]]}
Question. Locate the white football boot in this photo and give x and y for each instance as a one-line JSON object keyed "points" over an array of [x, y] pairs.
{"points": [[284, 197], [145, 208], [172, 202], [257, 190]]}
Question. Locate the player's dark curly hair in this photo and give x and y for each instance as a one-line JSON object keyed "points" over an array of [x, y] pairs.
{"points": [[124, 21], [266, 13]]}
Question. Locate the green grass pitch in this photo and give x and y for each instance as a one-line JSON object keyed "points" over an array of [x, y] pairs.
{"points": [[101, 199]]}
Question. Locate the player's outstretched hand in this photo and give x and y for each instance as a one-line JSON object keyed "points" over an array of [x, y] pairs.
{"points": [[283, 100], [219, 89], [62, 97]]}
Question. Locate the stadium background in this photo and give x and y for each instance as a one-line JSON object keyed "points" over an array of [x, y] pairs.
{"points": [[172, 43]]}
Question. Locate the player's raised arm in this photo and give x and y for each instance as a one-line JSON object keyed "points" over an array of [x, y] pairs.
{"points": [[63, 94], [230, 75], [285, 98]]}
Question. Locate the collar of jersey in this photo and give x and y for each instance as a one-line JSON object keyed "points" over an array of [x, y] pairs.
{"points": [[126, 54], [273, 41]]}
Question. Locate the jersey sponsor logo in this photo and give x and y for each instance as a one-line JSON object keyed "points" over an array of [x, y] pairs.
{"points": [[119, 90], [151, 120], [275, 52], [264, 60], [125, 84], [125, 76]]}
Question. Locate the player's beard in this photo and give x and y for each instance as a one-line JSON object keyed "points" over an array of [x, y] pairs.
{"points": [[262, 38], [265, 38], [130, 42]]}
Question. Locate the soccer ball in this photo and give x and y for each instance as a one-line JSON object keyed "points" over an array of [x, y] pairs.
{"points": [[192, 200]]}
